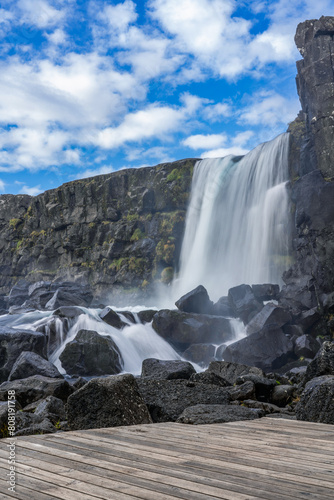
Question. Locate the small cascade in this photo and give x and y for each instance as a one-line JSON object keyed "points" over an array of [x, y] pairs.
{"points": [[237, 221]]}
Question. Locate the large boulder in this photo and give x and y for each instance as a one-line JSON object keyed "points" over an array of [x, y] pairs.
{"points": [[146, 315], [37, 387], [166, 399], [243, 302], [306, 346], [323, 363], [223, 308], [317, 401], [111, 317], [91, 354], [183, 329], [167, 370], [209, 378], [200, 354], [51, 408], [195, 301], [263, 386], [13, 342], [30, 363], [232, 371], [267, 291], [70, 294], [107, 402], [268, 349], [19, 293], [216, 414], [270, 316]]}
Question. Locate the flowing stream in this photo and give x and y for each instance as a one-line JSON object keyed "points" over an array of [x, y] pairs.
{"points": [[236, 232]]}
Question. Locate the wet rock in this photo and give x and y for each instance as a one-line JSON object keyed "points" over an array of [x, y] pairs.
{"points": [[267, 408], [282, 394], [146, 316], [200, 354], [263, 386], [30, 363], [231, 371], [80, 382], [107, 402], [70, 312], [306, 346], [270, 316], [243, 302], [317, 401], [13, 342], [43, 427], [51, 408], [243, 391], [195, 301], [34, 388], [209, 378], [265, 292], [70, 294], [167, 370], [91, 354], [167, 399], [112, 318], [183, 329], [222, 308], [323, 363], [268, 349], [19, 293], [308, 318], [216, 414]]}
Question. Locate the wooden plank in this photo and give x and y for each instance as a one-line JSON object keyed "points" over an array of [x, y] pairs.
{"points": [[267, 459], [188, 433], [219, 463], [246, 479], [23, 493], [217, 449], [157, 487], [53, 489], [168, 448], [199, 491]]}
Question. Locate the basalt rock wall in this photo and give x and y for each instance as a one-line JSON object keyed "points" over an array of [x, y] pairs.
{"points": [[312, 168], [120, 232]]}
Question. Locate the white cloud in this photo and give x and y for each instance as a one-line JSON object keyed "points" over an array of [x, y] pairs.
{"points": [[92, 172], [221, 152], [39, 13], [269, 109], [32, 191], [205, 141], [2, 186], [58, 37], [217, 112], [205, 29], [155, 121], [119, 16]]}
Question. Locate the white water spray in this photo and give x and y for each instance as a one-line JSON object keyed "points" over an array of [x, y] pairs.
{"points": [[237, 221]]}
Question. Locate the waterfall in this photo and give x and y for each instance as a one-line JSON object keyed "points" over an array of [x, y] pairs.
{"points": [[237, 221]]}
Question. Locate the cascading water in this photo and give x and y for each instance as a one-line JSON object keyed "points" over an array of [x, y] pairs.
{"points": [[236, 232], [236, 227]]}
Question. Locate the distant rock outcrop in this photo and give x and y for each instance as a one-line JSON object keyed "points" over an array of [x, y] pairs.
{"points": [[122, 229]]}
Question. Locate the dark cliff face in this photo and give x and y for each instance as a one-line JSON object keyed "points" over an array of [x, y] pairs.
{"points": [[315, 84], [119, 232], [312, 165]]}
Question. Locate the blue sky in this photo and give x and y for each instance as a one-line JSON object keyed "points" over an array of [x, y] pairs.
{"points": [[89, 87]]}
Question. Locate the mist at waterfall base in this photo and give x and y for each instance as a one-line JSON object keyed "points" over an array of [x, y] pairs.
{"points": [[236, 232]]}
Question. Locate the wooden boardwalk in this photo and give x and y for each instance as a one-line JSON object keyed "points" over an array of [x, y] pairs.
{"points": [[271, 459]]}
